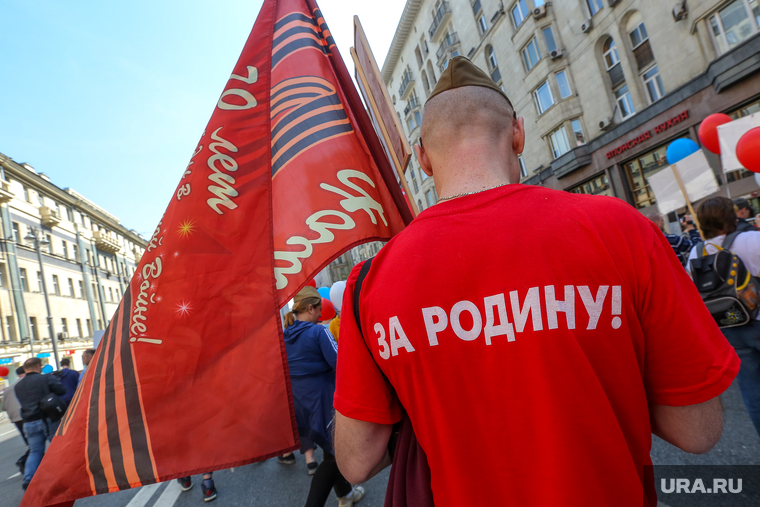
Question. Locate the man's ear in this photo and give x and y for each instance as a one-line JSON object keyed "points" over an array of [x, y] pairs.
{"points": [[518, 135], [423, 159]]}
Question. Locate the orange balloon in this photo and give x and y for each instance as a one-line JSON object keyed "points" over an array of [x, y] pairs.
{"points": [[748, 150], [708, 131]]}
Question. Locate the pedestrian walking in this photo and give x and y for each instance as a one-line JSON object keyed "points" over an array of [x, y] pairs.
{"points": [[718, 220], [532, 375], [69, 379], [207, 486], [38, 427], [680, 245], [312, 356], [86, 358], [12, 407], [690, 230], [745, 215]]}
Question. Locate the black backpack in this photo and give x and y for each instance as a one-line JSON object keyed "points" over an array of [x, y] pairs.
{"points": [[52, 405], [730, 292]]}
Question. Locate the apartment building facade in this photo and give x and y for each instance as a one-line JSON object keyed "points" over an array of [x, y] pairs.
{"points": [[87, 259], [604, 85]]}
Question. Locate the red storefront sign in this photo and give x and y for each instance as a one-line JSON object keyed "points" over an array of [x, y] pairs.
{"points": [[648, 134]]}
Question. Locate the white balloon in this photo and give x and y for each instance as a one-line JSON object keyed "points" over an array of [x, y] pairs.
{"points": [[336, 295]]}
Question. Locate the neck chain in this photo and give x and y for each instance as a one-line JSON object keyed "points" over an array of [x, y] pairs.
{"points": [[469, 193]]}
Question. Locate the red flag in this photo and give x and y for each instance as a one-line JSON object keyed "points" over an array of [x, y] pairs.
{"points": [[191, 375]]}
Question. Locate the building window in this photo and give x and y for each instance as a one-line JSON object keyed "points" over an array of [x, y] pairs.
{"points": [[543, 97], [523, 169], [519, 13], [89, 328], [81, 289], [493, 65], [75, 249], [56, 286], [580, 139], [735, 23], [413, 121], [482, 24], [110, 294], [531, 54], [39, 281], [79, 328], [33, 326], [598, 186], [40, 199], [95, 294], [425, 83], [64, 327], [71, 288], [3, 281], [624, 102], [24, 281], [418, 55], [416, 188], [611, 57], [637, 172], [419, 205], [653, 82], [16, 233], [563, 84], [558, 140], [551, 43], [639, 35], [430, 198], [594, 6], [49, 239], [10, 328], [26, 195], [65, 249]]}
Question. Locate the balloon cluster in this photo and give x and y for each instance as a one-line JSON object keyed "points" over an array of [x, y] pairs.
{"points": [[747, 149], [332, 298]]}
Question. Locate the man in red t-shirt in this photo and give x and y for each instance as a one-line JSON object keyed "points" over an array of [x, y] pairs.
{"points": [[532, 375]]}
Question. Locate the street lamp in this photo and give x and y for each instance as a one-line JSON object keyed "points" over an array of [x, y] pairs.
{"points": [[34, 237]]}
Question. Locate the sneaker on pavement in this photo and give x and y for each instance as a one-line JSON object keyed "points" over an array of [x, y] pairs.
{"points": [[186, 483], [355, 497], [288, 459], [311, 468], [24, 485], [209, 490]]}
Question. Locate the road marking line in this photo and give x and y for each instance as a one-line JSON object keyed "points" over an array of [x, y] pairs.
{"points": [[13, 476], [8, 433], [169, 496], [144, 495]]}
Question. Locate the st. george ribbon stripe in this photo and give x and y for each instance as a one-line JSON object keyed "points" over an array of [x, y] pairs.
{"points": [[112, 419], [94, 459], [141, 452], [295, 16]]}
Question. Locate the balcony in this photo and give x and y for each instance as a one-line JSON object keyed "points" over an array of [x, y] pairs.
{"points": [[412, 103], [49, 216], [406, 84], [106, 241], [5, 191], [442, 16], [448, 44]]}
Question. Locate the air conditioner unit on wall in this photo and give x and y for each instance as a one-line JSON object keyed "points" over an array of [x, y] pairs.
{"points": [[555, 54], [607, 124], [680, 11], [539, 12], [586, 26]]}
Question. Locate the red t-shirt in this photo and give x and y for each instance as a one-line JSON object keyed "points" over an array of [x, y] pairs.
{"points": [[526, 331]]}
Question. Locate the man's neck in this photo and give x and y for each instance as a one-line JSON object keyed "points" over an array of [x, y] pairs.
{"points": [[470, 173]]}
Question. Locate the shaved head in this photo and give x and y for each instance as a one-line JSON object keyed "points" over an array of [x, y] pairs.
{"points": [[465, 114]]}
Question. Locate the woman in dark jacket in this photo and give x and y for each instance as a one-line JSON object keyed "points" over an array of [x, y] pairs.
{"points": [[312, 356]]}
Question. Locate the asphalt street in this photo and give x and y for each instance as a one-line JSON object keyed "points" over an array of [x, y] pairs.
{"points": [[270, 484]]}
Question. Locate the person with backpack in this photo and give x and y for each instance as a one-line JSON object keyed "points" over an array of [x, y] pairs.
{"points": [[732, 296], [680, 244], [32, 391]]}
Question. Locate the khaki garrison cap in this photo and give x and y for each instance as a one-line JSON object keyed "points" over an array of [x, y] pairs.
{"points": [[462, 72], [306, 293]]}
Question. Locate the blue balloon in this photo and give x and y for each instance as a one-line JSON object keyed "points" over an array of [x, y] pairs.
{"points": [[324, 292], [47, 369], [680, 149]]}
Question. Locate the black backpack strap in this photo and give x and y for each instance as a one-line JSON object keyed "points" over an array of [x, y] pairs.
{"points": [[729, 240], [358, 291]]}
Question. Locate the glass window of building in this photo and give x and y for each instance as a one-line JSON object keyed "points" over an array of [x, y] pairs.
{"points": [[543, 97], [747, 110], [79, 328], [429, 197], [65, 249], [23, 278], [71, 288], [26, 195], [419, 205], [3, 281], [639, 169], [611, 57], [493, 65], [39, 281], [75, 249], [551, 43], [40, 199], [482, 24], [523, 169], [56, 286], [33, 328], [563, 85], [519, 12], [559, 143], [579, 138], [653, 82], [16, 233], [64, 327], [639, 35], [598, 186], [594, 6], [735, 23], [89, 327], [531, 54], [10, 328], [624, 102], [49, 239], [81, 289]]}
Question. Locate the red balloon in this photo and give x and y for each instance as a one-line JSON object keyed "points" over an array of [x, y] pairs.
{"points": [[4, 371], [748, 150], [708, 131], [312, 283], [328, 310]]}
